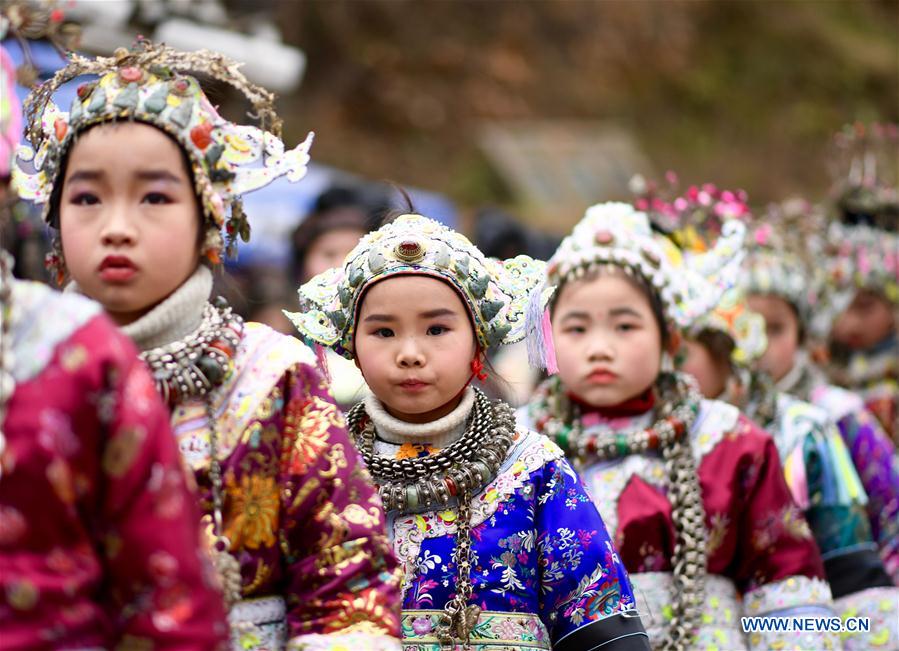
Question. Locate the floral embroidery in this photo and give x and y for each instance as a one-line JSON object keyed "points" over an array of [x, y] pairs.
{"points": [[538, 547], [252, 517], [415, 451]]}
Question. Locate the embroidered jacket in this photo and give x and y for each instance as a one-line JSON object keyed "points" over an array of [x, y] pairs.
{"points": [[876, 461], [762, 557], [544, 570], [824, 483], [100, 542], [300, 511]]}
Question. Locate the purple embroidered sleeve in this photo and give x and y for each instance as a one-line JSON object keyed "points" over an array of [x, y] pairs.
{"points": [[877, 463]]}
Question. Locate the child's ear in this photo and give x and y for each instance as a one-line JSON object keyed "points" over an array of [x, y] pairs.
{"points": [[674, 341]]}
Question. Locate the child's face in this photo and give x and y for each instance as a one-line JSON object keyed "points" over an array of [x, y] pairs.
{"points": [[607, 339], [414, 345], [782, 330], [128, 218], [329, 250], [867, 321], [710, 374]]}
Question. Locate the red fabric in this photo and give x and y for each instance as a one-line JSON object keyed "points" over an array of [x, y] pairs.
{"points": [[756, 531], [99, 533], [632, 407], [286, 477]]}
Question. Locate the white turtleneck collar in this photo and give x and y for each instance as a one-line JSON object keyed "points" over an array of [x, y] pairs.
{"points": [[789, 381], [175, 317], [438, 433]]}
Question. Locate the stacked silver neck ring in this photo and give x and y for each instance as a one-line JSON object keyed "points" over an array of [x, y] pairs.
{"points": [[466, 466], [194, 366]]}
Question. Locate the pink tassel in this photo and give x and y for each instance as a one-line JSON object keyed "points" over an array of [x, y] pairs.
{"points": [[322, 362], [552, 366]]}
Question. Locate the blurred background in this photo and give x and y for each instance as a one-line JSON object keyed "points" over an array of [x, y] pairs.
{"points": [[507, 118]]}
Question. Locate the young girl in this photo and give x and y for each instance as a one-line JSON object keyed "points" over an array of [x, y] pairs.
{"points": [[100, 544], [818, 468], [861, 264], [137, 177], [862, 274], [691, 490], [500, 546], [780, 290]]}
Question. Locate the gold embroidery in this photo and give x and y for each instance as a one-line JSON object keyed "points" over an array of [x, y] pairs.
{"points": [[262, 573], [336, 458], [355, 514], [122, 450], [73, 358], [252, 515], [308, 486]]}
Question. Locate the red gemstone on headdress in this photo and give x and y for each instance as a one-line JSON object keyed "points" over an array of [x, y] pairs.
{"points": [[60, 127], [604, 237], [131, 74], [57, 15], [181, 86], [409, 251], [201, 136], [84, 90]]}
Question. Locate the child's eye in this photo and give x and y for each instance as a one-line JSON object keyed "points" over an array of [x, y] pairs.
{"points": [[436, 330], [85, 199], [383, 332], [577, 330], [156, 198], [625, 327]]}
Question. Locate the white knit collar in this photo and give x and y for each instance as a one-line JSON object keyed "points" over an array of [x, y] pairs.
{"points": [[176, 316], [789, 381], [438, 433]]}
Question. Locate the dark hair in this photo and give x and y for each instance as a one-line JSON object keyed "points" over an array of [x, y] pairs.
{"points": [[53, 213], [720, 346], [339, 207], [801, 334]]}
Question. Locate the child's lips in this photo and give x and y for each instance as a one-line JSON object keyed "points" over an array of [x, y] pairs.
{"points": [[117, 269], [602, 376], [413, 385]]}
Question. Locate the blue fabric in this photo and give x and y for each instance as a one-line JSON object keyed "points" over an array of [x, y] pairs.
{"points": [[544, 551]]}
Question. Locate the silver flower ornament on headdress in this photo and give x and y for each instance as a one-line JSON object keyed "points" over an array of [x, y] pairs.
{"points": [[495, 292]]}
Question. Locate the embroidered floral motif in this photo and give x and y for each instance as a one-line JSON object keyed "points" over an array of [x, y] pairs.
{"points": [[529, 454], [538, 547], [415, 451], [252, 515]]}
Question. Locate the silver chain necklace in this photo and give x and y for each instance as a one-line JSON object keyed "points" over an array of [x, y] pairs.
{"points": [[192, 368], [460, 470], [679, 406]]}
